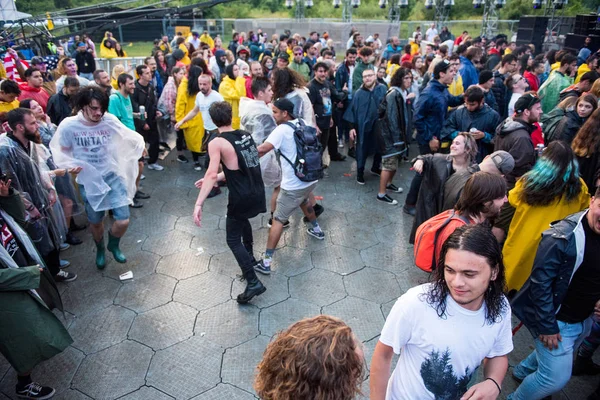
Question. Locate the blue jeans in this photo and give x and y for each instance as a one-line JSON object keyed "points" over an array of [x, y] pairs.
{"points": [[545, 371]]}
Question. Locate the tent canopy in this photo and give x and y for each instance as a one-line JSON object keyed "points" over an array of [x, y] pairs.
{"points": [[9, 13]]}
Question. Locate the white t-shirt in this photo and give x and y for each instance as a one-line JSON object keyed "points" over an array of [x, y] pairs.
{"points": [[431, 34], [203, 103], [438, 349], [282, 138], [60, 82], [511, 104]]}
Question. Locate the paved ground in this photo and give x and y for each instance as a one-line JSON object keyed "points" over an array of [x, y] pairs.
{"points": [[175, 331]]}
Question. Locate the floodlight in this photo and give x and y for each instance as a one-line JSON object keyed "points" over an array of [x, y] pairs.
{"points": [[355, 3], [382, 3], [499, 3], [403, 3], [289, 3], [308, 3], [477, 3], [428, 4], [337, 3], [537, 4]]}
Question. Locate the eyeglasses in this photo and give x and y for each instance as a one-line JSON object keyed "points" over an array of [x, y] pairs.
{"points": [[297, 54]]}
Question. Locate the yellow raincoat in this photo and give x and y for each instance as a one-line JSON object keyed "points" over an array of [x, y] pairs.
{"points": [[232, 91], [186, 58], [105, 52], [208, 40], [525, 232], [193, 130]]}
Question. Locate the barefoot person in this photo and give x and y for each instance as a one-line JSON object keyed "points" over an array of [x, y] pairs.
{"points": [[236, 151]]}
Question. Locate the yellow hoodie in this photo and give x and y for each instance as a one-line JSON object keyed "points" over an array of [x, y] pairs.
{"points": [[193, 130], [232, 91]]}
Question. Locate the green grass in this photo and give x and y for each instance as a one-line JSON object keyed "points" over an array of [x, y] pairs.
{"points": [[138, 49]]}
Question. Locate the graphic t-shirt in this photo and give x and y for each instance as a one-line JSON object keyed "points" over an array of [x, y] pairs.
{"points": [[282, 138], [8, 241], [439, 355], [203, 103]]}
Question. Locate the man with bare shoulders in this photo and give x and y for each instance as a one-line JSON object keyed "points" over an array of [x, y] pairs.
{"points": [[236, 151]]}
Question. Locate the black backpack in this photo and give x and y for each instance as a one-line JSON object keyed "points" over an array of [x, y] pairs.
{"points": [[309, 164]]}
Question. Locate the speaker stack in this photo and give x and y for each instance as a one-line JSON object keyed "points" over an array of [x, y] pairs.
{"points": [[585, 25], [532, 29]]}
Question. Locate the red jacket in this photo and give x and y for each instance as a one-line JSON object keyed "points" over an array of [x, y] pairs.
{"points": [[249, 87], [37, 94], [533, 80]]}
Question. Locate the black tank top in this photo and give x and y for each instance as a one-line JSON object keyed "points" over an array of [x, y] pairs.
{"points": [[246, 187]]}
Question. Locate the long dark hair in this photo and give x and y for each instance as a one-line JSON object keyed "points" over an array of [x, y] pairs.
{"points": [[192, 85], [587, 140], [554, 175], [398, 77], [477, 239], [481, 189], [285, 80]]}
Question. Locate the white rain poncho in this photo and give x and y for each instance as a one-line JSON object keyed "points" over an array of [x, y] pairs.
{"points": [[108, 154], [257, 119]]}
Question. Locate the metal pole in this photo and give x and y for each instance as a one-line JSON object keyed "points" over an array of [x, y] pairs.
{"points": [[346, 11], [121, 34]]}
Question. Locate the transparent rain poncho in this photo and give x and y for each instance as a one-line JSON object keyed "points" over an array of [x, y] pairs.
{"points": [[108, 154], [257, 119]]}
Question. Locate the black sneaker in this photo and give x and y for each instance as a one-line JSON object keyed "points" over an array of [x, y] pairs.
{"points": [[387, 199], [286, 225], [319, 235], [182, 159], [338, 157], [215, 191], [165, 146], [262, 268], [136, 204], [197, 166], [393, 188], [352, 152], [376, 172], [360, 178], [63, 276], [72, 239], [35, 391], [410, 210], [141, 195]]}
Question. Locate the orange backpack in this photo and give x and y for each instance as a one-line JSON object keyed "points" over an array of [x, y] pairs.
{"points": [[427, 236]]}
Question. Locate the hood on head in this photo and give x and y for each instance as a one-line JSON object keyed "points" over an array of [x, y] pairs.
{"points": [[510, 125], [241, 48]]}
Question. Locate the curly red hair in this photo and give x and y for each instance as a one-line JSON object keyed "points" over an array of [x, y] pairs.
{"points": [[314, 359]]}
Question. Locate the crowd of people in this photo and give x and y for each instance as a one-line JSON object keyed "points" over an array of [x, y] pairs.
{"points": [[504, 197]]}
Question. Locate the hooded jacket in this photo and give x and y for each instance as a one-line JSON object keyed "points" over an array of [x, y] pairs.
{"points": [[395, 123], [501, 93], [390, 51], [569, 126], [37, 94], [513, 136], [432, 107], [469, 73]]}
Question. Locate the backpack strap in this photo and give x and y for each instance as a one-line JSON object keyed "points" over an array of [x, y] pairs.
{"points": [[294, 127]]}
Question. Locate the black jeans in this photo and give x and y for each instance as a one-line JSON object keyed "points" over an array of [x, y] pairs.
{"points": [[239, 240], [52, 261], [180, 140], [151, 137]]}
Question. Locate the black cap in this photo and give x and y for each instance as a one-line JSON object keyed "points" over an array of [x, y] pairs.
{"points": [[285, 105], [284, 56], [525, 102], [442, 66], [485, 76]]}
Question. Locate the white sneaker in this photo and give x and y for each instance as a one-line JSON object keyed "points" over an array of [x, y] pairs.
{"points": [[142, 177], [156, 167], [341, 144]]}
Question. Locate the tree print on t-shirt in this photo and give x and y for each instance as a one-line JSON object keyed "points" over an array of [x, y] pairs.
{"points": [[438, 376]]}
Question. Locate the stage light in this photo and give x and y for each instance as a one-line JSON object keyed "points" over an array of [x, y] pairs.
{"points": [[477, 3], [429, 4], [499, 3], [308, 3], [355, 3], [403, 3], [448, 3], [337, 3], [382, 3], [289, 3], [537, 4]]}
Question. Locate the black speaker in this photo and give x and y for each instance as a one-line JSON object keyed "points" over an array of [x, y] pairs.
{"points": [[533, 22], [585, 24]]}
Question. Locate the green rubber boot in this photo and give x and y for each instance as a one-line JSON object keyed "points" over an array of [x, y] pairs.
{"points": [[100, 255], [113, 247]]}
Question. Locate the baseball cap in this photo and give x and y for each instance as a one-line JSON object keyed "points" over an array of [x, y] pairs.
{"points": [[80, 44], [503, 161], [284, 56], [285, 105], [37, 60], [442, 66], [525, 102]]}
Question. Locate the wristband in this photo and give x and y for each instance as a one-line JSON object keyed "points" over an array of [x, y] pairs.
{"points": [[495, 383]]}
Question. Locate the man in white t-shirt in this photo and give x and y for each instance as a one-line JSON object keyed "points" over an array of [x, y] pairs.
{"points": [[516, 84], [205, 97], [294, 192], [431, 33], [443, 330]]}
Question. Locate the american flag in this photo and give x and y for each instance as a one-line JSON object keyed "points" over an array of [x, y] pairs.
{"points": [[11, 69]]}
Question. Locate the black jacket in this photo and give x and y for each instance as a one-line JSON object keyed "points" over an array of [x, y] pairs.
{"points": [[501, 94], [537, 303], [436, 170], [144, 96], [514, 136], [569, 126], [395, 123], [85, 62], [323, 109], [58, 107]]}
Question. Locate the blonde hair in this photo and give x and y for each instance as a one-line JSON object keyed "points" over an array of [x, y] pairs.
{"points": [[117, 70]]}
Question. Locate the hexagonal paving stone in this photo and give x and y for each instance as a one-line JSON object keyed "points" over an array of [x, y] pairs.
{"points": [[71, 394], [164, 326], [84, 265], [184, 264], [146, 293], [228, 324], [56, 372], [364, 317], [291, 261], [277, 290], [387, 307], [368, 219], [318, 286], [338, 259], [146, 393], [168, 243], [239, 363], [172, 193], [186, 369], [140, 263], [89, 296], [296, 236], [355, 238], [178, 209], [203, 291], [152, 223], [331, 220], [225, 264], [260, 237], [113, 372], [224, 391], [186, 223], [395, 233], [212, 241], [101, 329], [393, 259], [373, 284], [282, 315]]}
